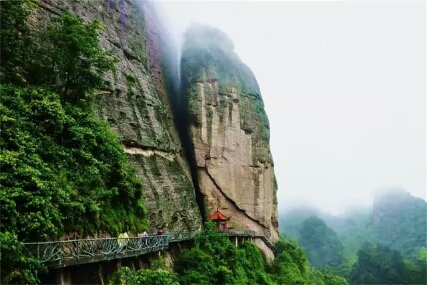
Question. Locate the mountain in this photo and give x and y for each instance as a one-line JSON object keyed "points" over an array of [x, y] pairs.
{"points": [[399, 221], [100, 135], [141, 101], [321, 243], [396, 219], [229, 130]]}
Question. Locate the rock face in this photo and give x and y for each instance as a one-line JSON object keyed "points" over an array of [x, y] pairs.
{"points": [[135, 103], [229, 131], [232, 165]]}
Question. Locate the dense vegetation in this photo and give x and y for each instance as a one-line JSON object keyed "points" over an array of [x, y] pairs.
{"points": [[323, 244], [215, 260], [62, 170], [382, 245], [382, 265], [157, 274]]}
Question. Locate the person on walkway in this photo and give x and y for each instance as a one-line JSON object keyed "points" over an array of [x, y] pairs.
{"points": [[144, 238], [159, 236], [122, 240]]}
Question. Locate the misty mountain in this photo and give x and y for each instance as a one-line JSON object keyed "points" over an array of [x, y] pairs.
{"points": [[396, 219], [321, 243], [399, 221]]}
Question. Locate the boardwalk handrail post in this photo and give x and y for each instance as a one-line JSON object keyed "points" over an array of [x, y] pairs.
{"points": [[78, 250], [60, 253]]}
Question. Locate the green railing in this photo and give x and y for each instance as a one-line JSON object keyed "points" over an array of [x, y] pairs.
{"points": [[71, 252], [250, 233], [181, 236]]}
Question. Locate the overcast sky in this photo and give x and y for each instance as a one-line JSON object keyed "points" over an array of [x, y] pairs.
{"points": [[344, 86]]}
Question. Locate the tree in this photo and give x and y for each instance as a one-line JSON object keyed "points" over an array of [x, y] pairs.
{"points": [[73, 62], [328, 277], [16, 267], [16, 41], [215, 260], [323, 247], [62, 170], [290, 265], [382, 265], [125, 276]]}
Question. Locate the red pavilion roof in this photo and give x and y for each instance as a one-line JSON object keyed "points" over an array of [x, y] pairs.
{"points": [[218, 216]]}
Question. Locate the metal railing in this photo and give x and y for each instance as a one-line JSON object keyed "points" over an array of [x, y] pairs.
{"points": [[70, 252], [182, 236], [80, 251]]}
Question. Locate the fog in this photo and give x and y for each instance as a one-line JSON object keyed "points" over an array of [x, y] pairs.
{"points": [[343, 84]]}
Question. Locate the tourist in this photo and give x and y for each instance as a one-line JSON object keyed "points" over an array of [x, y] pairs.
{"points": [[144, 238]]}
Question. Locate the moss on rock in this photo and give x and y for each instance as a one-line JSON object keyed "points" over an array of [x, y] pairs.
{"points": [[208, 55]]}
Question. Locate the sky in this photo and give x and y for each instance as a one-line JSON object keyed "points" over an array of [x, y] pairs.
{"points": [[344, 86]]}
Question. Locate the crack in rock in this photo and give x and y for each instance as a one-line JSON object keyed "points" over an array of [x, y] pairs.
{"points": [[231, 200]]}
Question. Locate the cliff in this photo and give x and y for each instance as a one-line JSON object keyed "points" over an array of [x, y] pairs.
{"points": [[135, 103], [229, 131]]}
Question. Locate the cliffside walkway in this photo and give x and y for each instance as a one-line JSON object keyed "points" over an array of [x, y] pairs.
{"points": [[58, 254]]}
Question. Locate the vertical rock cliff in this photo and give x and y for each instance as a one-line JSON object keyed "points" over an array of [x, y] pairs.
{"points": [[229, 130], [135, 102], [224, 161]]}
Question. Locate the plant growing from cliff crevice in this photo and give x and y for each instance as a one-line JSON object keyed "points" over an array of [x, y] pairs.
{"points": [[16, 41], [74, 61], [65, 56]]}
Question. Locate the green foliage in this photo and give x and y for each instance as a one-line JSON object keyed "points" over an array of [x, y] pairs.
{"points": [[62, 169], [290, 264], [65, 56], [326, 277], [195, 266], [15, 40], [397, 221], [292, 267], [125, 276], [383, 265], [321, 243], [73, 62], [215, 260], [17, 268], [401, 222], [158, 263]]}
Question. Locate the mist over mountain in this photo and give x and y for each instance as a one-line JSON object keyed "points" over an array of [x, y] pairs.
{"points": [[394, 218], [389, 234]]}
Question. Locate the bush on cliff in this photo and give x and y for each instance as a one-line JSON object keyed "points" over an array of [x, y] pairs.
{"points": [[214, 259], [62, 170], [125, 276]]}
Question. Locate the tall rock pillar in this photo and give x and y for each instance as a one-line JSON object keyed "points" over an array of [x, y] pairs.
{"points": [[229, 131]]}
